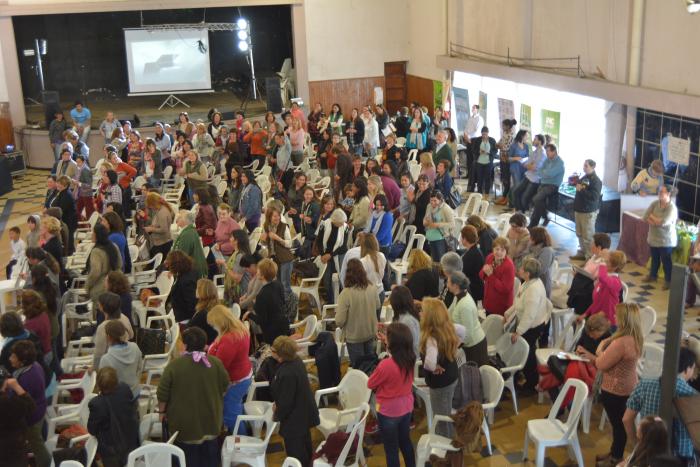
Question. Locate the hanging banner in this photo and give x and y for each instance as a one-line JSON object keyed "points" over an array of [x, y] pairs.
{"points": [[461, 108], [482, 105], [446, 101], [525, 117], [437, 93], [505, 109], [550, 124]]}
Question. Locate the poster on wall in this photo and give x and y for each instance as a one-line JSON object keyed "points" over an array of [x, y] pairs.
{"points": [[437, 93], [525, 117], [446, 101], [482, 104], [505, 109], [550, 124], [461, 97]]}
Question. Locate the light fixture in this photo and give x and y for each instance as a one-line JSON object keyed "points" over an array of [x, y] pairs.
{"points": [[693, 6], [243, 46], [242, 23], [243, 35]]}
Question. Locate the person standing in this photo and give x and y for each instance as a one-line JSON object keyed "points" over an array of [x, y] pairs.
{"points": [[188, 241], [586, 206], [551, 176], [526, 189], [56, 129], [483, 152], [475, 123], [661, 215], [442, 151]]}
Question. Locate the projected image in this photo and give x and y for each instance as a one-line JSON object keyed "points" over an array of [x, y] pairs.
{"points": [[167, 60]]}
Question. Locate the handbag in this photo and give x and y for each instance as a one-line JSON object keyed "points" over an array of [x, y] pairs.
{"points": [[151, 341], [455, 197], [557, 366]]}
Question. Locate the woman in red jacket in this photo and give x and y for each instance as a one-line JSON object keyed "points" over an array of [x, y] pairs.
{"points": [[256, 137], [498, 275], [231, 347], [205, 222]]}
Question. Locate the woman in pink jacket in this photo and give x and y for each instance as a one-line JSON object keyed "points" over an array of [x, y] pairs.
{"points": [[606, 293]]}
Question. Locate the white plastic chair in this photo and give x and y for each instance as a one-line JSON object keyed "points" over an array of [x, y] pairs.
{"points": [[66, 415], [514, 356], [90, 451], [249, 450], [400, 266], [551, 432], [492, 385], [648, 317], [254, 407], [493, 328], [145, 271], [164, 284], [625, 291], [352, 393], [310, 285], [310, 325], [432, 443], [483, 209], [155, 455], [652, 361], [358, 430], [291, 462], [503, 224], [565, 343]]}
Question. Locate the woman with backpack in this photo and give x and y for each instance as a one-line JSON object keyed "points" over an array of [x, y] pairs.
{"points": [[392, 382]]}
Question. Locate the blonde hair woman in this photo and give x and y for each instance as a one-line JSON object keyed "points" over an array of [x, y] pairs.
{"points": [[160, 216], [427, 167], [207, 298], [438, 348], [231, 347], [423, 278], [373, 261], [617, 358]]}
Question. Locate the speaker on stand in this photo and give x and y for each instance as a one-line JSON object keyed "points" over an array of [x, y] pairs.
{"points": [[273, 94]]}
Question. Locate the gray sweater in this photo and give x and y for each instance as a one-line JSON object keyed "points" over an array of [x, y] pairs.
{"points": [[125, 359], [663, 235]]}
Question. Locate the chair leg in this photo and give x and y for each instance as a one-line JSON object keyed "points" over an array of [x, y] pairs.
{"points": [[586, 415], [577, 450], [525, 445], [487, 434], [539, 461], [511, 387], [603, 419]]}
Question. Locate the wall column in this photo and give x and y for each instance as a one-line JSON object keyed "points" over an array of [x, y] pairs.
{"points": [[11, 75], [301, 61]]}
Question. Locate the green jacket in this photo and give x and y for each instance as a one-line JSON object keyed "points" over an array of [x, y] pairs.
{"points": [[194, 397], [188, 242], [445, 153]]}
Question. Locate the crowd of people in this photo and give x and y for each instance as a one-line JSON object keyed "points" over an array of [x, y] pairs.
{"points": [[276, 214]]}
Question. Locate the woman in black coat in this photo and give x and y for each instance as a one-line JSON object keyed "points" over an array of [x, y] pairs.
{"points": [[472, 261], [114, 407], [268, 311], [69, 215], [183, 294], [295, 408]]}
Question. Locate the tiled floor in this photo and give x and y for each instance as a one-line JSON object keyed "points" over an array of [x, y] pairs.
{"points": [[507, 433]]}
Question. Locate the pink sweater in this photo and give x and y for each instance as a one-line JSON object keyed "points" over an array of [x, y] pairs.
{"points": [[618, 362], [606, 295], [222, 235], [393, 390]]}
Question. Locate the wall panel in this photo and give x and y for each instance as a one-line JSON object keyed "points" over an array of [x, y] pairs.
{"points": [[348, 93], [420, 90]]}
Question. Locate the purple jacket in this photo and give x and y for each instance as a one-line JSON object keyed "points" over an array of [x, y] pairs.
{"points": [[392, 191], [32, 380]]}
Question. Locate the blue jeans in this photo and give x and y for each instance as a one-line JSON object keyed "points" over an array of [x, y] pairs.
{"points": [[284, 273], [661, 255], [395, 435], [358, 350], [233, 406], [438, 248], [516, 172], [482, 174], [204, 454]]}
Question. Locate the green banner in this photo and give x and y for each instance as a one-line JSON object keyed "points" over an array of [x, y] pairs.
{"points": [[437, 94], [461, 97], [482, 104], [525, 117], [550, 124]]}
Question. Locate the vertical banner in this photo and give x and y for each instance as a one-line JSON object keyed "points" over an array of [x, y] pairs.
{"points": [[525, 117], [550, 124], [505, 109], [461, 108], [437, 93], [446, 99], [482, 105]]}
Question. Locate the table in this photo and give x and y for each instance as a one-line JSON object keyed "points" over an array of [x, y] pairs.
{"points": [[608, 215]]}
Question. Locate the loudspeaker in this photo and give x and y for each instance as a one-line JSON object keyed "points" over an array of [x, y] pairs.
{"points": [[5, 177], [52, 104], [274, 97]]}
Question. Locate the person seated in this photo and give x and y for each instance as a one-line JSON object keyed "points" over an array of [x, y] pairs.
{"points": [[519, 237], [579, 295]]}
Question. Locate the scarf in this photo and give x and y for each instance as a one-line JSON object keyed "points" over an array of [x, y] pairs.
{"points": [[199, 357], [377, 217]]}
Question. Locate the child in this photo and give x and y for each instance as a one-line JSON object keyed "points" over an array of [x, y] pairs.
{"points": [[606, 294], [18, 248], [348, 201], [107, 127]]}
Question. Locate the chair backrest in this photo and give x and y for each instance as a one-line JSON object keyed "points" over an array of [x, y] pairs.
{"points": [[493, 328], [513, 354], [236, 310], [90, 450], [491, 384], [483, 208], [397, 229], [255, 238], [648, 317], [139, 182], [221, 188], [473, 202], [414, 168], [420, 241], [156, 455], [353, 390], [580, 395], [412, 155], [310, 324], [357, 431], [409, 232], [502, 224], [167, 172], [164, 282], [571, 328], [74, 464], [625, 291], [291, 462], [652, 361]]}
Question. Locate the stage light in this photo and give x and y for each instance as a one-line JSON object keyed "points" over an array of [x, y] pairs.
{"points": [[243, 35], [693, 6], [242, 23], [43, 44], [243, 46]]}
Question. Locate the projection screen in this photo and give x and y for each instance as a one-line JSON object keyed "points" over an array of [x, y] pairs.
{"points": [[166, 61]]}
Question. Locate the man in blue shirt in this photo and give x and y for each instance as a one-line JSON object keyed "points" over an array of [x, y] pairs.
{"points": [[551, 175], [81, 120], [645, 400]]}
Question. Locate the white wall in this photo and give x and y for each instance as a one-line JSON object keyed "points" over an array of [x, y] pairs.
{"points": [[353, 38], [4, 94], [428, 40]]}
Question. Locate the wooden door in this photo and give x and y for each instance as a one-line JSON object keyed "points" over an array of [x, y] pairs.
{"points": [[394, 86]]}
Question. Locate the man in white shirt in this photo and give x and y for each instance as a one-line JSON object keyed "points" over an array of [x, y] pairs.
{"points": [[474, 123], [371, 140], [18, 248]]}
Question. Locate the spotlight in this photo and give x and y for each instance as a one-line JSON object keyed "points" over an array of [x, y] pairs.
{"points": [[242, 23], [243, 46], [243, 35], [693, 6]]}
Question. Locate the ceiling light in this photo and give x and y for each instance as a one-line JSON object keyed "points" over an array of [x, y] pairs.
{"points": [[693, 6], [243, 46], [243, 35], [242, 23]]}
